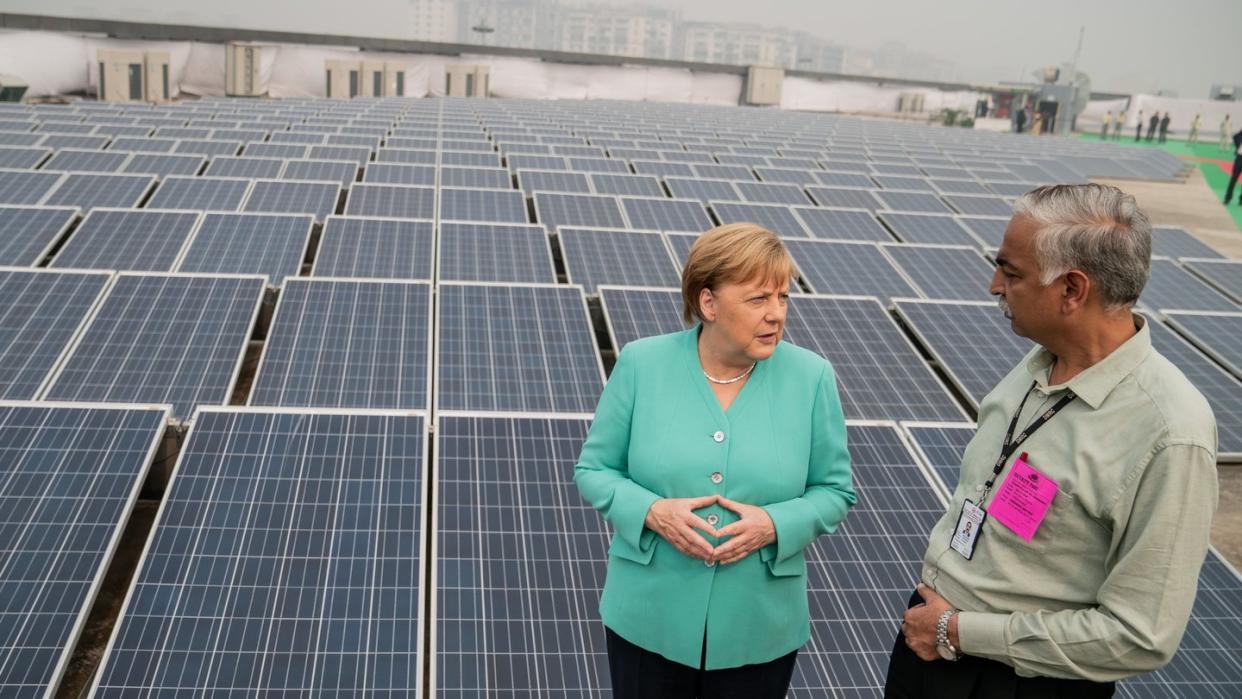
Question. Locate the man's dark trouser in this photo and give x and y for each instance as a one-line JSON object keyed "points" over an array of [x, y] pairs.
{"points": [[975, 678], [1233, 178]]}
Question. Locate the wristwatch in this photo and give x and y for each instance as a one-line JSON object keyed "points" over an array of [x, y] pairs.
{"points": [[943, 646]]}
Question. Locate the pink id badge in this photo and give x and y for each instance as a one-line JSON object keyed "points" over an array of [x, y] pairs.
{"points": [[1023, 499]]}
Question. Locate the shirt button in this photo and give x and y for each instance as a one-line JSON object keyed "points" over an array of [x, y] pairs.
{"points": [[719, 436], [712, 519], [717, 478], [978, 489], [709, 564]]}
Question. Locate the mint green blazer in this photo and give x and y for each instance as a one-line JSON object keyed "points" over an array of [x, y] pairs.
{"points": [[659, 432]]}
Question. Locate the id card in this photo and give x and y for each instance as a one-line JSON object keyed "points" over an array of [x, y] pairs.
{"points": [[966, 533], [1023, 499]]}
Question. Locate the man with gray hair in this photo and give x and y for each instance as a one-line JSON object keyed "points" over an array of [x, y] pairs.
{"points": [[1070, 553]]}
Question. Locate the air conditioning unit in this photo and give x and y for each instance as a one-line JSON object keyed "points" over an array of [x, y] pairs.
{"points": [[243, 70], [763, 86], [134, 76], [464, 80], [910, 102], [12, 88], [344, 78], [383, 79]]}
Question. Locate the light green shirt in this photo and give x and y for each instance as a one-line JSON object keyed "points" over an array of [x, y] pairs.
{"points": [[1105, 587]]}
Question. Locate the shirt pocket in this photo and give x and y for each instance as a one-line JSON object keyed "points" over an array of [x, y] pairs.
{"points": [[1071, 541]]}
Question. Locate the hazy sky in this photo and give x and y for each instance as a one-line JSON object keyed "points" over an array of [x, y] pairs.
{"points": [[1135, 46]]}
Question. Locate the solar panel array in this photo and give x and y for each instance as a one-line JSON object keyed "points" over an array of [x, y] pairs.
{"points": [[435, 257]]}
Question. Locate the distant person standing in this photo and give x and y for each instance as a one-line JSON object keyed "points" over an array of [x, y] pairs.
{"points": [[1164, 127], [1237, 168], [1037, 126], [1225, 127], [1019, 120], [1138, 127], [1151, 126], [1193, 137], [1106, 122], [1120, 122]]}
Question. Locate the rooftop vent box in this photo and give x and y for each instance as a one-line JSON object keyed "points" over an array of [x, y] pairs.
{"points": [[463, 80], [133, 76], [763, 86], [243, 70], [12, 88]]}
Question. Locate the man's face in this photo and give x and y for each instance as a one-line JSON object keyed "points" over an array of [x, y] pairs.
{"points": [[1033, 310]]}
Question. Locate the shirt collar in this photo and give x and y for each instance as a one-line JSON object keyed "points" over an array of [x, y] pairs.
{"points": [[1095, 383]]}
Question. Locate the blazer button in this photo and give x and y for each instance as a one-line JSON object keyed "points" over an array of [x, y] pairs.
{"points": [[709, 564], [718, 437], [712, 519], [717, 478]]}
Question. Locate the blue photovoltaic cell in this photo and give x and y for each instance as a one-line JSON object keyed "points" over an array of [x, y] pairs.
{"points": [[661, 214], [71, 476], [1219, 335], [375, 248], [27, 233], [268, 244], [1167, 241], [978, 205], [145, 240], [943, 445], [487, 252], [22, 158], [927, 228], [775, 217], [949, 273], [702, 190], [578, 210], [163, 339], [397, 173], [627, 185], [25, 186], [347, 344], [848, 268], [163, 165], [343, 172], [532, 181], [845, 179], [917, 184], [925, 202], [955, 186], [293, 197], [1223, 275], [86, 161], [842, 224], [251, 168], [286, 561], [772, 193], [1222, 390], [201, 193], [405, 155], [520, 561], [488, 205], [476, 177], [846, 198], [515, 348], [628, 258], [638, 313], [87, 191], [1171, 286], [990, 230], [40, 316], [391, 201]]}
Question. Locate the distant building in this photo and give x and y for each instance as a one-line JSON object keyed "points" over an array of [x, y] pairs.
{"points": [[518, 23], [434, 20], [603, 29], [737, 44], [818, 55], [1226, 93]]}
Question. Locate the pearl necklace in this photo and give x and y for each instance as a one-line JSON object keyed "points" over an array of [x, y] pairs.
{"points": [[735, 379]]}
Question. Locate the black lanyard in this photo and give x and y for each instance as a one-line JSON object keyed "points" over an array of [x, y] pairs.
{"points": [[1011, 444]]}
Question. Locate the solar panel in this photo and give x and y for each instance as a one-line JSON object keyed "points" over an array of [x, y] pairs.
{"points": [[844, 179], [286, 559], [1167, 241], [846, 267], [1216, 334], [1223, 391], [1225, 276], [843, 197], [342, 343], [469, 159], [487, 205], [86, 161], [72, 475], [25, 187], [43, 313], [788, 175], [661, 214], [250, 168], [842, 224], [391, 201], [626, 185], [87, 191], [343, 172], [516, 596], [913, 184], [405, 155], [979, 205], [201, 193], [144, 144], [598, 165], [989, 230], [972, 341], [773, 193], [630, 258], [163, 339], [701, 189], [269, 244], [485, 252], [359, 155], [1010, 189], [531, 161], [27, 233], [279, 151], [680, 245], [476, 177], [941, 445], [22, 158], [946, 185], [146, 240], [554, 210], [208, 147], [632, 313], [515, 348], [723, 172], [163, 165], [531, 181], [399, 173], [774, 217], [935, 229], [899, 200], [947, 272], [1171, 286], [375, 248], [859, 577]]}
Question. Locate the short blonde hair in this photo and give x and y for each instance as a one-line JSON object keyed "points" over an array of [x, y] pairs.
{"points": [[731, 254]]}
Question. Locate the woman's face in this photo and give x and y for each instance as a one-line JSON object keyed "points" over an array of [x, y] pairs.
{"points": [[747, 319]]}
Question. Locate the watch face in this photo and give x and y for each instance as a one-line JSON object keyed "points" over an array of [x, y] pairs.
{"points": [[945, 652]]}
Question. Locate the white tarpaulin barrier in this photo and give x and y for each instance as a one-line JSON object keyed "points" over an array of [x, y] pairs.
{"points": [[840, 96], [1182, 112]]}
